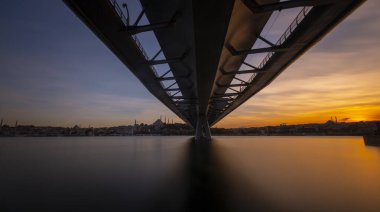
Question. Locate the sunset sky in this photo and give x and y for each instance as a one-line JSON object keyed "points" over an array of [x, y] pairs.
{"points": [[55, 71]]}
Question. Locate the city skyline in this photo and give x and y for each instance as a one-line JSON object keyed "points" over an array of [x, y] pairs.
{"points": [[56, 72], [167, 120]]}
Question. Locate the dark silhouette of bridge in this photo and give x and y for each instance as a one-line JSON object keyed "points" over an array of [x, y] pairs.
{"points": [[205, 43]]}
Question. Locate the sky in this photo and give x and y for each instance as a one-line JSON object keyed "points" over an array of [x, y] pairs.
{"points": [[55, 71]]}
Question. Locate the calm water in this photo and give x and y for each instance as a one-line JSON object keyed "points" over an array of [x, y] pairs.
{"points": [[175, 174]]}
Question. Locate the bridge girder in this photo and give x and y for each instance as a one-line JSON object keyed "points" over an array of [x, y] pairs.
{"points": [[205, 44]]}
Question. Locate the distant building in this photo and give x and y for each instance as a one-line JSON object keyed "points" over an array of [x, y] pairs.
{"points": [[330, 122], [158, 125]]}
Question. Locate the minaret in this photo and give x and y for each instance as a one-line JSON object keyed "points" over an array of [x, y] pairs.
{"points": [[1, 124], [16, 127], [336, 120]]}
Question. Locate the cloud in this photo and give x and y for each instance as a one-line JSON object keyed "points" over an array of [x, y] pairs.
{"points": [[356, 32], [340, 76]]}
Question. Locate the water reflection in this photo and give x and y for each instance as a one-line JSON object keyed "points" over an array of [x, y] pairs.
{"points": [[206, 190], [213, 187], [303, 173], [179, 174]]}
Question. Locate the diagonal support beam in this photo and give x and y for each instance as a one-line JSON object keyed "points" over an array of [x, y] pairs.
{"points": [[241, 80], [250, 71], [171, 89], [171, 85], [266, 41], [256, 8], [233, 85], [249, 65], [166, 78], [186, 102], [139, 17], [235, 52], [134, 29], [181, 97], [227, 95], [219, 100], [156, 55], [234, 90], [175, 94], [165, 61], [166, 73]]}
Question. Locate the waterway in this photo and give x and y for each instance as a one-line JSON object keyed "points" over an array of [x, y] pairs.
{"points": [[176, 174]]}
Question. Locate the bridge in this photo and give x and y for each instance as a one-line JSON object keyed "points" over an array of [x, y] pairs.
{"points": [[206, 45]]}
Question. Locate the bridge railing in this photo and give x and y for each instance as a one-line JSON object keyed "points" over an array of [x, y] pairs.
{"points": [[299, 18], [119, 11], [125, 21]]}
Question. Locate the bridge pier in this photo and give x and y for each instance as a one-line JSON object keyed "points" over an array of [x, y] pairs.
{"points": [[202, 131]]}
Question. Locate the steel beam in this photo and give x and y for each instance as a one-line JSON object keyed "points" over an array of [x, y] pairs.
{"points": [[171, 85], [174, 94], [170, 60], [250, 71], [249, 65], [257, 8], [144, 28], [184, 98], [210, 20], [172, 89], [235, 52], [233, 85], [139, 17], [166, 78], [156, 55], [164, 61], [226, 95], [220, 100], [266, 41], [241, 80], [167, 72], [186, 102], [232, 89]]}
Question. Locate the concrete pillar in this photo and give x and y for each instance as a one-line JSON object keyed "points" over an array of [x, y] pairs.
{"points": [[206, 129], [202, 131], [198, 130]]}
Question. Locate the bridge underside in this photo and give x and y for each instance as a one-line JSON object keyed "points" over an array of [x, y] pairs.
{"points": [[205, 44]]}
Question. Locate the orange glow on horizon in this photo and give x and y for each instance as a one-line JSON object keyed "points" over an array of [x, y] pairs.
{"points": [[344, 114]]}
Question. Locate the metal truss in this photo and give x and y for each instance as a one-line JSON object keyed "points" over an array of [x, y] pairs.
{"points": [[197, 96]]}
